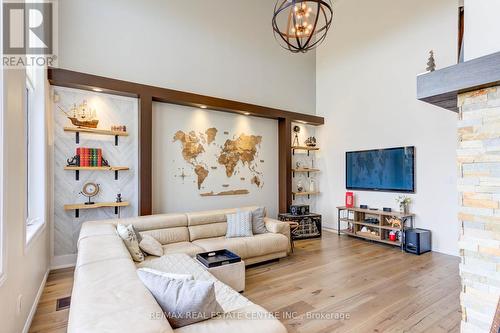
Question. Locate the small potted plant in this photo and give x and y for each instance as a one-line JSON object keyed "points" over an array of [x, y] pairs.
{"points": [[403, 202]]}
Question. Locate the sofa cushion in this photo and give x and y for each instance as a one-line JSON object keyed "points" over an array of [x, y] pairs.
{"points": [[207, 231], [212, 216], [93, 229], [267, 243], [182, 247], [108, 296], [151, 246], [249, 319], [258, 225], [159, 221], [95, 249], [184, 302], [236, 245], [247, 247], [183, 264], [169, 235], [239, 224]]}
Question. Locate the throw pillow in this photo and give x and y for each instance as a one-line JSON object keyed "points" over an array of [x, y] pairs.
{"points": [[239, 224], [166, 274], [127, 234], [258, 225], [151, 246], [184, 302]]}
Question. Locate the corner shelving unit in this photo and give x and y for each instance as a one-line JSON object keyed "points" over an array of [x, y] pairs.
{"points": [[78, 130], [77, 170], [304, 170], [77, 207], [355, 224]]}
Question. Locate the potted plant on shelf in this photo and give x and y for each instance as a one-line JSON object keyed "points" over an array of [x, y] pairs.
{"points": [[403, 202]]}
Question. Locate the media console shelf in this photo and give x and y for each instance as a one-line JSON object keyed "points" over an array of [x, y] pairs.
{"points": [[357, 218]]}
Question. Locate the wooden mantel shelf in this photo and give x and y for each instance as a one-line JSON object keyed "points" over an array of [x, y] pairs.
{"points": [[442, 87]]}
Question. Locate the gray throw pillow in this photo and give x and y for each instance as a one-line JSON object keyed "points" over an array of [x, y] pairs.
{"points": [[239, 224], [258, 225], [184, 302]]}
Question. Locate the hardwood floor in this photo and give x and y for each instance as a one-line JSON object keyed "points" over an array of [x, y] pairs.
{"points": [[377, 288]]}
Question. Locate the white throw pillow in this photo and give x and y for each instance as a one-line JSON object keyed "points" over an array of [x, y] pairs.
{"points": [[127, 234], [151, 246], [239, 224], [167, 275], [184, 302]]}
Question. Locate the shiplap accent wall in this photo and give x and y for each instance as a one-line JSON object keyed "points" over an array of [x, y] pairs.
{"points": [[479, 187], [111, 110]]}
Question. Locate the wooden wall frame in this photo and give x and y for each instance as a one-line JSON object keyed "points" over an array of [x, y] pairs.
{"points": [[148, 94]]}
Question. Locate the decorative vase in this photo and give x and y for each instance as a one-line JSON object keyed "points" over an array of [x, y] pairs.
{"points": [[403, 208], [300, 187]]}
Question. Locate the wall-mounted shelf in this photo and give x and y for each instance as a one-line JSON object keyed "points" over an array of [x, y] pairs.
{"points": [[308, 149], [304, 170], [78, 130], [77, 207], [308, 194], [77, 170]]}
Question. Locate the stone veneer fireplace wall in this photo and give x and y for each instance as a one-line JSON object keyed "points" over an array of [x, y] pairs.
{"points": [[479, 194]]}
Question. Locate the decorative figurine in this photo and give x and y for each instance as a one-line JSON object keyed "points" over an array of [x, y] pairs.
{"points": [[296, 130], [119, 197], [431, 65], [82, 116], [90, 190], [300, 187], [75, 161], [311, 142], [104, 162]]}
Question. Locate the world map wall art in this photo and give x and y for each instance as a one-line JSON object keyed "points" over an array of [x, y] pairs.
{"points": [[219, 164]]}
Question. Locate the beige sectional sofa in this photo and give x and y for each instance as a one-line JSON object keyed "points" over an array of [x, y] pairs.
{"points": [[108, 296]]}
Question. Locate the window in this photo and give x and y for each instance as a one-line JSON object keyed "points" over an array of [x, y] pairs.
{"points": [[35, 152], [2, 275]]}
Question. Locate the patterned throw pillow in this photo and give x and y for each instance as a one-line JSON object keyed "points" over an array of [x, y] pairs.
{"points": [[151, 246], [127, 234], [239, 224]]}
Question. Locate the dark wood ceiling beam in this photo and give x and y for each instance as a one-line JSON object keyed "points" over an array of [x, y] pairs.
{"points": [[71, 79]]}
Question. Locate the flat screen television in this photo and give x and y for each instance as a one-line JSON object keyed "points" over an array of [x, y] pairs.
{"points": [[387, 170]]}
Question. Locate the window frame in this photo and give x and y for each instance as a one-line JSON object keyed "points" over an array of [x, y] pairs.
{"points": [[3, 274]]}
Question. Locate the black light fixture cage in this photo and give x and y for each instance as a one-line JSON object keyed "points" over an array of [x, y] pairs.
{"points": [[289, 27]]}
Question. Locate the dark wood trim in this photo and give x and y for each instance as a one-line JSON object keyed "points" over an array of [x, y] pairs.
{"points": [[284, 164], [71, 79], [442, 87], [145, 155], [148, 94]]}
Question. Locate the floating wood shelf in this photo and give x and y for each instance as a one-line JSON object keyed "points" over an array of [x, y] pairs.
{"points": [[78, 130], [308, 149], [77, 170], [303, 170], [77, 207], [298, 194]]}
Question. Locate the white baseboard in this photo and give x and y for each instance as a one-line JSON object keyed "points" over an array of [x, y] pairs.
{"points": [[65, 261], [27, 324]]}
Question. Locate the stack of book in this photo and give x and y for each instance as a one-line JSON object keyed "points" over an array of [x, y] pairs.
{"points": [[89, 157]]}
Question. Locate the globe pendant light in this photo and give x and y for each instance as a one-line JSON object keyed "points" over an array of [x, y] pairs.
{"points": [[301, 25]]}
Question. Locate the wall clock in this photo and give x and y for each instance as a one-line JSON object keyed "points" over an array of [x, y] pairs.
{"points": [[90, 190]]}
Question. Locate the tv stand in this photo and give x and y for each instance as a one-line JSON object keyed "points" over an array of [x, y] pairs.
{"points": [[357, 218]]}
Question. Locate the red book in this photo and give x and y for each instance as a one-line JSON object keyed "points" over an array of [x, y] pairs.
{"points": [[85, 157], [99, 157], [78, 153]]}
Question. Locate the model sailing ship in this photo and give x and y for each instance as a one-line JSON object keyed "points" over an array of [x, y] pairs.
{"points": [[82, 116]]}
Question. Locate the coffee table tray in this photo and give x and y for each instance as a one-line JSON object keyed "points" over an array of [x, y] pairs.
{"points": [[217, 258]]}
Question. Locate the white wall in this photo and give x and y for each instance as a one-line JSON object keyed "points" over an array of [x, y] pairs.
{"points": [[224, 48], [366, 90], [25, 267], [172, 194], [482, 28]]}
